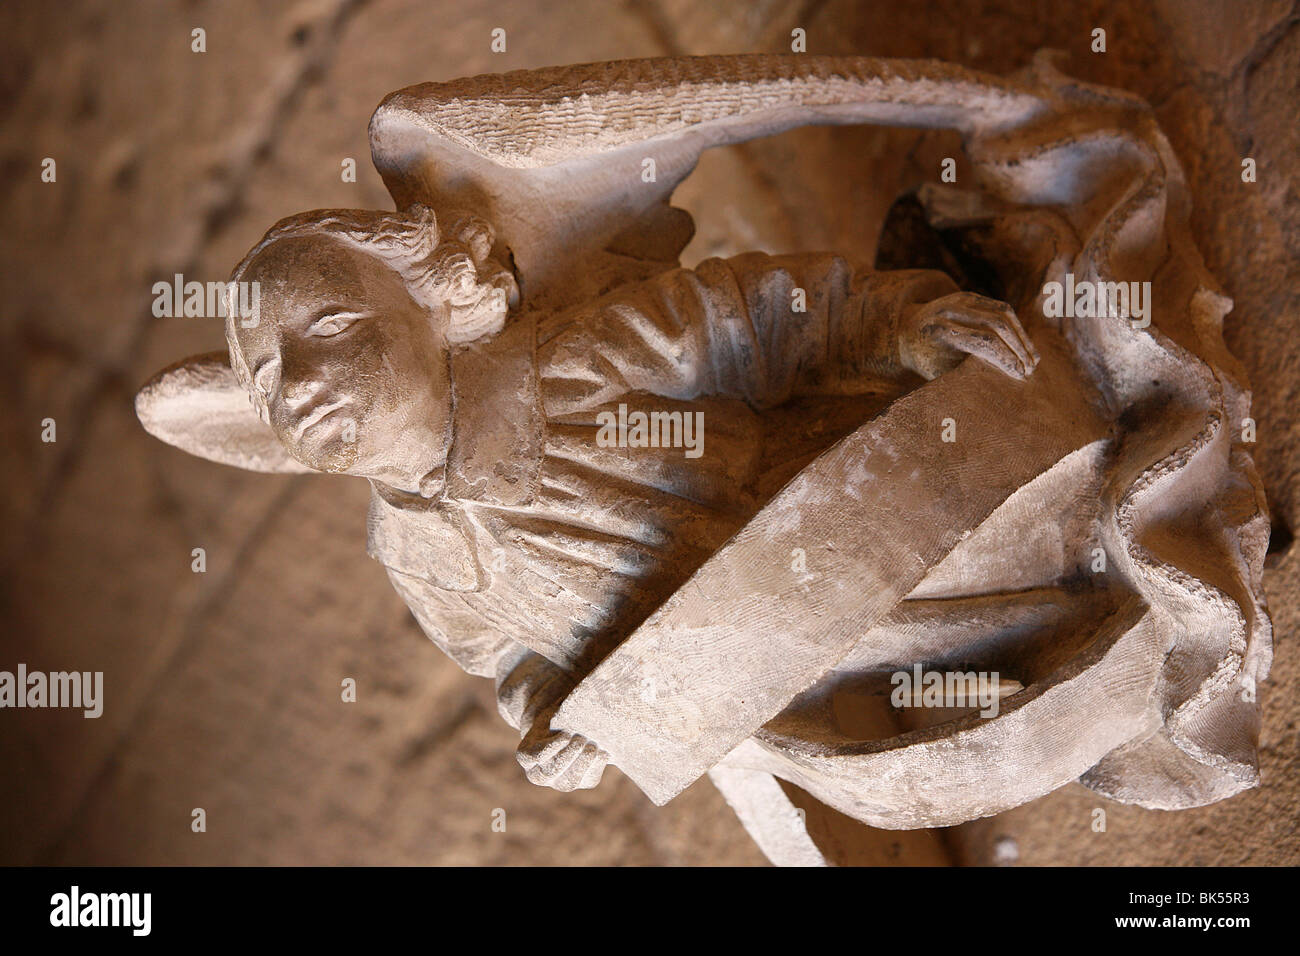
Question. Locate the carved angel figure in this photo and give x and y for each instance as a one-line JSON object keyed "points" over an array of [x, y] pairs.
{"points": [[897, 471]]}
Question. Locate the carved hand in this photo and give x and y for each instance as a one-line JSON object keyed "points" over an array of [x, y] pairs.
{"points": [[529, 691], [560, 759], [935, 336]]}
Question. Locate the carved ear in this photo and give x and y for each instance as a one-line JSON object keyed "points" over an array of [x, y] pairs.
{"points": [[199, 406]]}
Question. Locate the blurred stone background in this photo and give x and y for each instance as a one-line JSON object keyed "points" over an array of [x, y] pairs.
{"points": [[222, 688]]}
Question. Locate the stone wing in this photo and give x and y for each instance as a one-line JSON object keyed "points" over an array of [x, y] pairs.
{"points": [[575, 166]]}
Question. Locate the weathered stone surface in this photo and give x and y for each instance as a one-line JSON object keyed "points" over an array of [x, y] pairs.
{"points": [[147, 188]]}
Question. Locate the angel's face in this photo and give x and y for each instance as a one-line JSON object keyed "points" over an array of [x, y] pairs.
{"points": [[353, 371]]}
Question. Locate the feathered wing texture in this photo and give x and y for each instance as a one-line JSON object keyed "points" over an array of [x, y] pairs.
{"points": [[575, 166]]}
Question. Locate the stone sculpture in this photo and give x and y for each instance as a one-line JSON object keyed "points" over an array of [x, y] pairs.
{"points": [[700, 521]]}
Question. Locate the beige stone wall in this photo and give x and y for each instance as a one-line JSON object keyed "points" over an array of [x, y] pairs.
{"points": [[223, 687]]}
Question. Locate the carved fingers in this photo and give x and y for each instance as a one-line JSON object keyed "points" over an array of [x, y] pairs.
{"points": [[936, 336], [562, 760]]}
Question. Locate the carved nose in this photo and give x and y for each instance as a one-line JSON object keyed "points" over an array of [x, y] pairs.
{"points": [[296, 394]]}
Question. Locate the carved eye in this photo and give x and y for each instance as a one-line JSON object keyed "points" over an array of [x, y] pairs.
{"points": [[333, 324]]}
